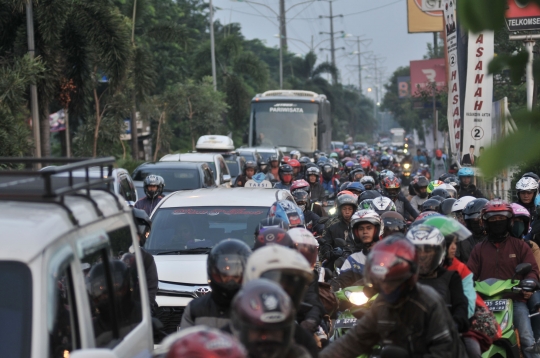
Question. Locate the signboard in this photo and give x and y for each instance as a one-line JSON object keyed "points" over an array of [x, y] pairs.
{"points": [[454, 114], [404, 86], [265, 184], [479, 97], [420, 21], [424, 72], [432, 5], [522, 17]]}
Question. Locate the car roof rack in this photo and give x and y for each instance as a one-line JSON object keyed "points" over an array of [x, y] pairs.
{"points": [[53, 183]]}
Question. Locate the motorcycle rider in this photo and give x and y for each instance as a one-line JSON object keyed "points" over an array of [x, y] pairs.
{"points": [[285, 177], [498, 256], [368, 182], [315, 207], [356, 174], [527, 189], [313, 176], [249, 170], [473, 222], [294, 154], [466, 188], [391, 223], [274, 166], [392, 189], [535, 227], [406, 314], [329, 184], [420, 187], [438, 165], [225, 267], [311, 220], [303, 162], [153, 186], [297, 169]]}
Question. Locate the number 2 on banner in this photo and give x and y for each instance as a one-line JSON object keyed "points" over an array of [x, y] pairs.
{"points": [[477, 133]]}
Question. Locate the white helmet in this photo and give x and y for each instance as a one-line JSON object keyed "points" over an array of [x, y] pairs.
{"points": [[382, 204], [451, 190], [527, 183], [367, 216], [305, 243], [282, 265], [426, 237], [461, 203]]}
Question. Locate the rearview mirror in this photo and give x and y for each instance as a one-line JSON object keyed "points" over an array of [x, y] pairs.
{"points": [[93, 353], [523, 269], [226, 178]]}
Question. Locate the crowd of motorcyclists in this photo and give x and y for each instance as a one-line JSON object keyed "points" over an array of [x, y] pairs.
{"points": [[419, 249]]}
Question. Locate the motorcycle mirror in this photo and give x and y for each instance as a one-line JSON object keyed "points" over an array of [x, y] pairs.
{"points": [[394, 352], [523, 269], [340, 242]]}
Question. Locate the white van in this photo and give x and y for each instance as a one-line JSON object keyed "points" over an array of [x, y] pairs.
{"points": [[215, 161], [71, 271]]}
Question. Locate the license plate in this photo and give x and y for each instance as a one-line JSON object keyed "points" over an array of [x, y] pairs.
{"points": [[345, 322], [497, 305]]}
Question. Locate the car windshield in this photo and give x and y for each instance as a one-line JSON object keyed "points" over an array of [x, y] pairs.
{"points": [[248, 155], [234, 168], [266, 155], [175, 179], [15, 309], [176, 229]]}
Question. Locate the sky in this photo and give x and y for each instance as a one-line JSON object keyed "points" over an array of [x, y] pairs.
{"points": [[382, 23]]}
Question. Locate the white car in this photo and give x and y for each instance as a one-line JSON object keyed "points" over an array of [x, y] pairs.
{"points": [[264, 152], [215, 161], [72, 277], [185, 225]]}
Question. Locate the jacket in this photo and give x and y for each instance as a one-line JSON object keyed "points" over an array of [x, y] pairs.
{"points": [[467, 283], [351, 272], [317, 192], [534, 233], [337, 230], [205, 311], [438, 167], [150, 270], [489, 261], [148, 204], [465, 247], [316, 309], [420, 324], [312, 221], [404, 207], [531, 208], [280, 185], [417, 202], [331, 187], [470, 190]]}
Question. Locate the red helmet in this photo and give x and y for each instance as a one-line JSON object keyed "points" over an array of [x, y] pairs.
{"points": [[300, 184], [497, 207], [285, 160], [273, 236], [391, 263], [294, 163], [205, 342], [365, 163], [391, 186]]}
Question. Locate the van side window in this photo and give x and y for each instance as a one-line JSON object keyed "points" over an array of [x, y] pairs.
{"points": [[113, 289], [125, 188], [208, 178], [64, 336], [224, 167]]}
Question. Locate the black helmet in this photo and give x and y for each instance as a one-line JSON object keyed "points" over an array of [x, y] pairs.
{"points": [[431, 205], [153, 180], [439, 198], [531, 175], [250, 164], [313, 170], [473, 209], [445, 176], [421, 182], [97, 286], [227, 259], [263, 164], [368, 182], [354, 172], [302, 199], [452, 180], [285, 169], [273, 235], [445, 207], [327, 171], [303, 161], [271, 222], [369, 194], [441, 192], [263, 319], [393, 222]]}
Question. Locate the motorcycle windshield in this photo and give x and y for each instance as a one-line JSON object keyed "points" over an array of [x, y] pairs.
{"points": [[492, 286]]}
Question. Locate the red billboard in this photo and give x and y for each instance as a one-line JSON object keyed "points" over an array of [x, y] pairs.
{"points": [[522, 17], [424, 72]]}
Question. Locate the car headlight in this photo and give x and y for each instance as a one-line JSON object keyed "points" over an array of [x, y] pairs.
{"points": [[504, 322], [406, 165], [356, 298]]}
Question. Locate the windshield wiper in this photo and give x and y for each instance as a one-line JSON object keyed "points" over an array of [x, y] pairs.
{"points": [[195, 250]]}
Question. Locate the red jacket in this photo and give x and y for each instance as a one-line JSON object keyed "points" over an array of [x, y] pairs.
{"points": [[489, 261]]}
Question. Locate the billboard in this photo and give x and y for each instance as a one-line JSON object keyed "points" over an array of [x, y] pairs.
{"points": [[404, 86], [424, 72], [420, 21], [522, 17]]}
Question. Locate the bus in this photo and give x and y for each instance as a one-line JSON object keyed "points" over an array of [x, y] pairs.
{"points": [[291, 120]]}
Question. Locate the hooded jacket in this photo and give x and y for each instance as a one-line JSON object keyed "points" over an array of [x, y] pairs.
{"points": [[470, 190]]}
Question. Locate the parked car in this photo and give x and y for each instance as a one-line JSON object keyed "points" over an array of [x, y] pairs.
{"points": [[177, 176], [186, 225], [215, 161], [63, 266]]}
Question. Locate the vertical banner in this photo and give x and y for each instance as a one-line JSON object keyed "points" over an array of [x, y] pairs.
{"points": [[477, 132], [454, 114]]}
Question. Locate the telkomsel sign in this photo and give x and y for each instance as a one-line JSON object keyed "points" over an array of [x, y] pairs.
{"points": [[522, 17]]}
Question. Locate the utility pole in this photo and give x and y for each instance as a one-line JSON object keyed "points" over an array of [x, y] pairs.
{"points": [[435, 44], [133, 127], [212, 46], [332, 44], [359, 66], [33, 88], [283, 24]]}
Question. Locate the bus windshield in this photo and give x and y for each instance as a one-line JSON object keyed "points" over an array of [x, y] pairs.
{"points": [[283, 124]]}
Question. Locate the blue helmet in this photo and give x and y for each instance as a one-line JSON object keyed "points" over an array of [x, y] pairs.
{"points": [[465, 172], [289, 212], [356, 186]]}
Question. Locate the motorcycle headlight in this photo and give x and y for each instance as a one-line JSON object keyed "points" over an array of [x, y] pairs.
{"points": [[504, 322], [356, 298], [332, 211], [406, 165]]}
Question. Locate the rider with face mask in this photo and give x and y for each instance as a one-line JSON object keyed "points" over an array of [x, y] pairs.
{"points": [[498, 256]]}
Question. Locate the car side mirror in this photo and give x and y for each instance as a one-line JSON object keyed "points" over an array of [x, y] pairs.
{"points": [[523, 269], [226, 178], [93, 353]]}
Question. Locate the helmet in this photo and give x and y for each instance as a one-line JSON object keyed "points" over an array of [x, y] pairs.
{"points": [[343, 187], [313, 171], [270, 223], [440, 199], [287, 211], [273, 158], [250, 164], [366, 216], [531, 175], [286, 267], [334, 163], [465, 172], [438, 153], [273, 235], [349, 165], [474, 208], [527, 183], [497, 207], [422, 216], [392, 222], [202, 341], [431, 205], [365, 163], [306, 244], [333, 155], [521, 227], [430, 247], [285, 160], [368, 182], [263, 164], [382, 204], [294, 163], [460, 204], [444, 176], [452, 180], [347, 199], [450, 189], [385, 160], [285, 173], [433, 185], [294, 154], [303, 161], [391, 186], [356, 174], [441, 191], [300, 184], [391, 264], [153, 180], [227, 259], [355, 187], [421, 182], [365, 199], [327, 171], [262, 319], [493, 208], [302, 199], [451, 229], [445, 207], [385, 173]]}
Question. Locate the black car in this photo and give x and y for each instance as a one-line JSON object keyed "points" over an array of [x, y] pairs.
{"points": [[177, 176]]}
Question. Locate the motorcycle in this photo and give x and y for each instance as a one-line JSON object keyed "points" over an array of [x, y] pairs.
{"points": [[353, 304], [493, 292]]}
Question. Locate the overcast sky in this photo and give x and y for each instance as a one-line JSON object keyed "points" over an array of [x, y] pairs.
{"points": [[382, 21]]}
